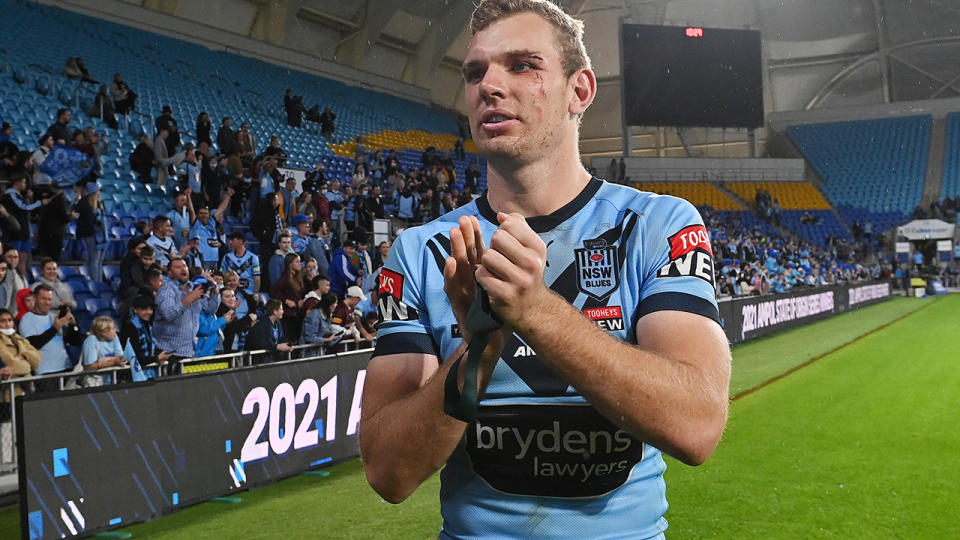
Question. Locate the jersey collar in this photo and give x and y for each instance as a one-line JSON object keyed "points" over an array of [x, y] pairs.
{"points": [[542, 224]]}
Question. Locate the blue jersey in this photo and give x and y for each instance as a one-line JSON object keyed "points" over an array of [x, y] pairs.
{"points": [[164, 249], [246, 268], [209, 241], [299, 244], [539, 461]]}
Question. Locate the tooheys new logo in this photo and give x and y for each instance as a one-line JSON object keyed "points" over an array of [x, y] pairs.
{"points": [[390, 306], [550, 450], [690, 255]]}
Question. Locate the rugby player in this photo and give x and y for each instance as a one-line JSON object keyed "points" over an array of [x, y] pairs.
{"points": [[611, 349]]}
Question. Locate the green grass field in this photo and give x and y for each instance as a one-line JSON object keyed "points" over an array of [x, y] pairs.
{"points": [[857, 444]]}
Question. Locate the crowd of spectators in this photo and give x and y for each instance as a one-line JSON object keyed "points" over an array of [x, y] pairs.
{"points": [[756, 260], [249, 258]]}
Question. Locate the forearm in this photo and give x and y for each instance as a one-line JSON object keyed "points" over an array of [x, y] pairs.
{"points": [[674, 403], [405, 441]]}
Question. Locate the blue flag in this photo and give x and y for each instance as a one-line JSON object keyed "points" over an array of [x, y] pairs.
{"points": [[67, 166]]}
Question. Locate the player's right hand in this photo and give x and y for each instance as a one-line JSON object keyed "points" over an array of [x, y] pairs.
{"points": [[466, 251]]}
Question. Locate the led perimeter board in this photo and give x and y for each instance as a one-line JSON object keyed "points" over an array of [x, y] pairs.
{"points": [[106, 457]]}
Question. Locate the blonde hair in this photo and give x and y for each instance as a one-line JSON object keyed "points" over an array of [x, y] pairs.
{"points": [[568, 30], [100, 325]]}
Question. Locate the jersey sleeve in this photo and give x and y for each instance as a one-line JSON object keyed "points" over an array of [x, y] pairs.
{"points": [[678, 271], [403, 321]]}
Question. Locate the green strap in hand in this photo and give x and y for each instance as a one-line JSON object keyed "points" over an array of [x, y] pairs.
{"points": [[481, 322]]}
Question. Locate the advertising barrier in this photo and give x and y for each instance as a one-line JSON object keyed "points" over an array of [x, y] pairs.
{"points": [[100, 458], [755, 316]]}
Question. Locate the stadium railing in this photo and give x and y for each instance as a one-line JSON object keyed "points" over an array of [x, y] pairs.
{"points": [[189, 366]]}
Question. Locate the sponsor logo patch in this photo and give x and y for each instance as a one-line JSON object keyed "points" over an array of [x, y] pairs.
{"points": [[550, 450], [690, 255], [608, 318], [391, 283], [688, 239], [598, 269], [390, 306]]}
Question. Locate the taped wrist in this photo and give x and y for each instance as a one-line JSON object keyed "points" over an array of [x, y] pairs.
{"points": [[481, 322]]}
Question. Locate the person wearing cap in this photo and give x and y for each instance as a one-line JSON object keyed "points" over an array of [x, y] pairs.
{"points": [[179, 302], [136, 335], [92, 229], [243, 262], [300, 239], [191, 252], [342, 274], [344, 315]]}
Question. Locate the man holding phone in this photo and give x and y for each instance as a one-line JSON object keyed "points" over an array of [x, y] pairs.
{"points": [[179, 303], [46, 330]]}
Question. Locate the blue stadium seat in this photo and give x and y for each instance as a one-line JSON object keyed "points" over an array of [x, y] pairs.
{"points": [[77, 283], [111, 272]]}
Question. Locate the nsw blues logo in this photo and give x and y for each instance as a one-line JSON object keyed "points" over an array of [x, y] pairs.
{"points": [[598, 269]]}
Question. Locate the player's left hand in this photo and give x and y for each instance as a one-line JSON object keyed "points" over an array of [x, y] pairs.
{"points": [[511, 270]]}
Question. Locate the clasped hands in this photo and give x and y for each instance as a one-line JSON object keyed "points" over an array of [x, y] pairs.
{"points": [[510, 270]]}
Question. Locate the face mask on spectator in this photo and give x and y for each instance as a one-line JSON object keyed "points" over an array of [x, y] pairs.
{"points": [[7, 331]]}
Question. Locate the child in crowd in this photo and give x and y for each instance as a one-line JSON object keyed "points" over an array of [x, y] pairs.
{"points": [[101, 349]]}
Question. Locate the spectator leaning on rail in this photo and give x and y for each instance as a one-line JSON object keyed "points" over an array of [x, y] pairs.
{"points": [[48, 330], [208, 333], [179, 303], [62, 293], [18, 358], [233, 301], [267, 334], [137, 333], [101, 350]]}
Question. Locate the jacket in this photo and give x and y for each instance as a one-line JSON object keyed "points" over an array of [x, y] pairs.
{"points": [[208, 334], [341, 275], [16, 352]]}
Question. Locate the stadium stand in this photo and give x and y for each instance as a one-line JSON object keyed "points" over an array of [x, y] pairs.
{"points": [[219, 83], [878, 165], [698, 193], [792, 195], [951, 162]]}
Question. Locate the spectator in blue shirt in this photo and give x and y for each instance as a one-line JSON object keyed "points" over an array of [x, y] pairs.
{"points": [[319, 247], [342, 275], [45, 330], [300, 238], [289, 194], [102, 348], [181, 217], [208, 334], [336, 200]]}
